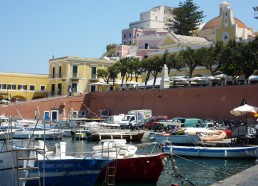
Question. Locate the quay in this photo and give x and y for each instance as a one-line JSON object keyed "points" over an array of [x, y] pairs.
{"points": [[244, 178]]}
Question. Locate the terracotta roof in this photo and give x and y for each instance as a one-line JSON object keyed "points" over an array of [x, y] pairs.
{"points": [[215, 22]]}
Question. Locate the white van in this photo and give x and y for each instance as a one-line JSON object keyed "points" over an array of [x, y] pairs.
{"points": [[114, 119]]}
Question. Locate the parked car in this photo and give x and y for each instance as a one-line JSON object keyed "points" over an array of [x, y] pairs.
{"points": [[154, 119]]}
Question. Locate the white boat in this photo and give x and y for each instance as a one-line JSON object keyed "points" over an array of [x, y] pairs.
{"points": [[114, 148], [15, 162], [182, 139], [5, 134], [213, 152], [58, 168], [38, 133]]}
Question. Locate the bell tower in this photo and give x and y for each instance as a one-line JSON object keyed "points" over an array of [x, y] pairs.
{"points": [[227, 29]]}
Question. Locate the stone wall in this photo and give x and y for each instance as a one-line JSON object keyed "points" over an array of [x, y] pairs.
{"points": [[202, 102]]}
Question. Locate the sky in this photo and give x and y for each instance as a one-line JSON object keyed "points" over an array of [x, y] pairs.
{"points": [[32, 32]]}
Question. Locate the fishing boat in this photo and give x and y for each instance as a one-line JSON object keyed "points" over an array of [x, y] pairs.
{"points": [[212, 152], [128, 166], [129, 136], [57, 168]]}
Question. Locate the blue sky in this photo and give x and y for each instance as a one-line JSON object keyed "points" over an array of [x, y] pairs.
{"points": [[31, 32]]}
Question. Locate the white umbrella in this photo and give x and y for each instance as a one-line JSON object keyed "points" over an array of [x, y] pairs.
{"points": [[243, 110]]}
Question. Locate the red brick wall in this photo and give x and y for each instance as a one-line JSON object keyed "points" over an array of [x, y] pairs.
{"points": [[203, 102]]}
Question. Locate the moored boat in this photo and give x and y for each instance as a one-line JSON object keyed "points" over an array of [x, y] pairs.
{"points": [[57, 168], [176, 139], [213, 152], [129, 167], [129, 136], [38, 133], [15, 163]]}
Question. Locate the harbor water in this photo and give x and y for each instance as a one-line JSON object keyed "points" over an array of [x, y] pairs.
{"points": [[199, 171]]}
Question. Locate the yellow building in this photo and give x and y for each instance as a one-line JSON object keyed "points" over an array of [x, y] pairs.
{"points": [[226, 27], [22, 87], [75, 74]]}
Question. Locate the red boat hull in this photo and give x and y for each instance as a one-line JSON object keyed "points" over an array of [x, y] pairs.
{"points": [[144, 169]]}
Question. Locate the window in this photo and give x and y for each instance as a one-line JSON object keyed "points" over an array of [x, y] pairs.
{"points": [[146, 46], [59, 89], [60, 71], [42, 87], [124, 35], [22, 87], [11, 86], [75, 71], [124, 43], [93, 72], [32, 87], [53, 89], [130, 42], [2, 86], [93, 88], [53, 72], [130, 35]]}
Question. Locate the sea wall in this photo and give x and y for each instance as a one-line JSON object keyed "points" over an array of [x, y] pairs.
{"points": [[203, 102]]}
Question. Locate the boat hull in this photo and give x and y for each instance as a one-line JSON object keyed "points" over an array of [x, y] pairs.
{"points": [[214, 152], [69, 172], [127, 136], [6, 135], [176, 139], [9, 166], [142, 169], [37, 135]]}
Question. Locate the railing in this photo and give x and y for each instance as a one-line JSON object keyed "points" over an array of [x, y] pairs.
{"points": [[93, 76]]}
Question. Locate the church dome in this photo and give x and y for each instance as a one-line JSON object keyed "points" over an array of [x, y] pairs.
{"points": [[215, 22]]}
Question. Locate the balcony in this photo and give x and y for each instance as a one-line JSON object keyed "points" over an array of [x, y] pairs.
{"points": [[94, 76], [75, 76]]}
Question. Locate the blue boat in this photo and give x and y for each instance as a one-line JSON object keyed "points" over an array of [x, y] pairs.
{"points": [[212, 152], [59, 169]]}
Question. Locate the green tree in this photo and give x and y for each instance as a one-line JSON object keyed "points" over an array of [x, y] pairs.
{"points": [[114, 70], [192, 58], [186, 19], [110, 50], [174, 61], [104, 74]]}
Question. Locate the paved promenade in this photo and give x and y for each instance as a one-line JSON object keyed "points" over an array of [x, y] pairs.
{"points": [[248, 177]]}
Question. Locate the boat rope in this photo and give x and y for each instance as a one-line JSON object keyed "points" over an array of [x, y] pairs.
{"points": [[176, 173]]}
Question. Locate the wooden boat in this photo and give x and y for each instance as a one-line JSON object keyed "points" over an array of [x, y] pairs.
{"points": [[130, 167], [212, 152], [129, 136], [175, 139]]}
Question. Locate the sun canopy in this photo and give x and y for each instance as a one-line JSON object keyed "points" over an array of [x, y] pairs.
{"points": [[243, 110]]}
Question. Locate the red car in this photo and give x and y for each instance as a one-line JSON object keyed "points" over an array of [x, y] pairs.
{"points": [[154, 120]]}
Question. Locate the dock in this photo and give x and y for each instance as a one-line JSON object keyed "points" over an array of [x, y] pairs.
{"points": [[246, 177]]}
